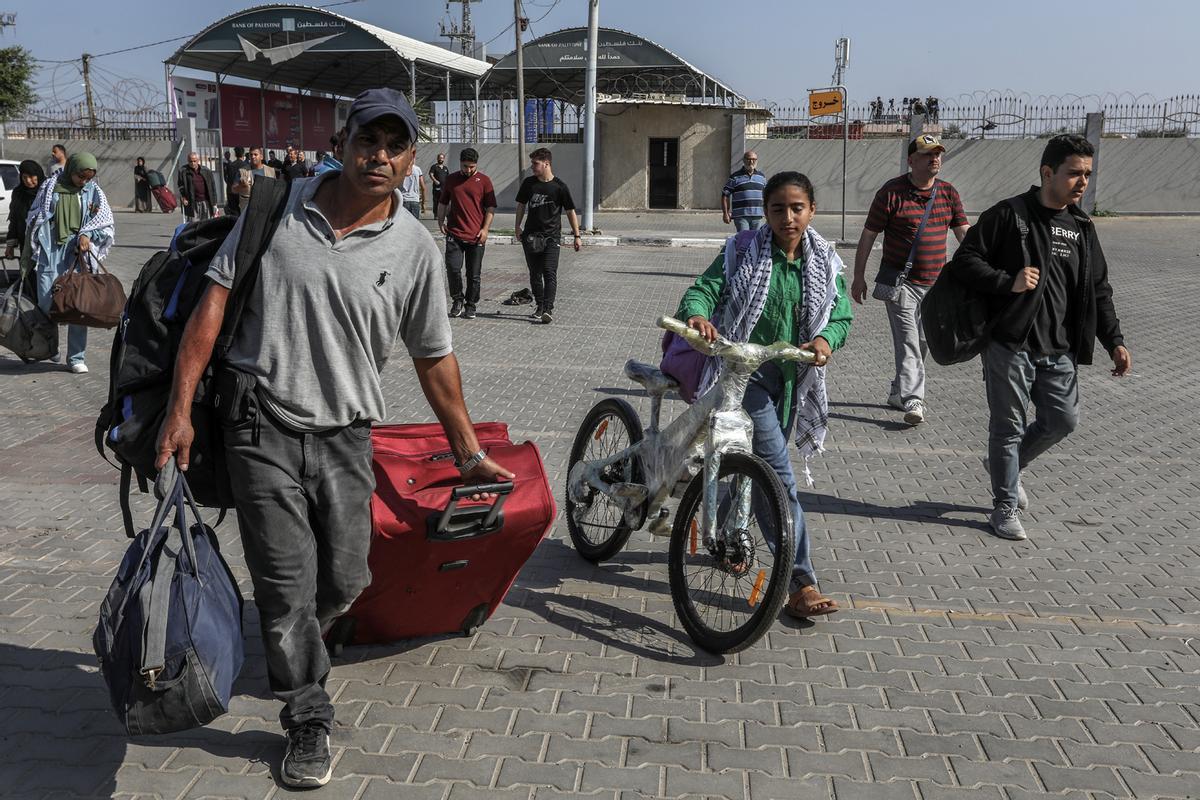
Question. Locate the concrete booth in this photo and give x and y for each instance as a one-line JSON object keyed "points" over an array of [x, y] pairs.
{"points": [[667, 134]]}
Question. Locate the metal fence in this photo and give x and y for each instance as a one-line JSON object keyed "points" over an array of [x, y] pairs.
{"points": [[107, 126], [987, 117], [994, 118], [496, 121]]}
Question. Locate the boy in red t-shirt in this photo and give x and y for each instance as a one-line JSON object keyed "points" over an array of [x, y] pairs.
{"points": [[466, 207]]}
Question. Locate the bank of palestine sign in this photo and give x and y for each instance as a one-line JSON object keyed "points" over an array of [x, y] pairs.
{"points": [[279, 35], [824, 103]]}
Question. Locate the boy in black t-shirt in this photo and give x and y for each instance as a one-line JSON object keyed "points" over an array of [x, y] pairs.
{"points": [[540, 201]]}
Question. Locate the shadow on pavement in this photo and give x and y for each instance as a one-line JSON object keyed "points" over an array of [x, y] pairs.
{"points": [[886, 424], [15, 366], [920, 511], [61, 738], [687, 276], [614, 390]]}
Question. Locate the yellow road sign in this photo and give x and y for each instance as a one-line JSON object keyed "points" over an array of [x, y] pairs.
{"points": [[823, 103]]}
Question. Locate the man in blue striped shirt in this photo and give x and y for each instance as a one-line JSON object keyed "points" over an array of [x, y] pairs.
{"points": [[742, 197]]}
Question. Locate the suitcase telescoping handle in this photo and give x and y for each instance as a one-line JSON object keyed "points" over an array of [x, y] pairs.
{"points": [[454, 523]]}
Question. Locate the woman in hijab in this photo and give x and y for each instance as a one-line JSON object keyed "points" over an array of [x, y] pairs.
{"points": [[19, 204], [141, 187], [70, 217]]}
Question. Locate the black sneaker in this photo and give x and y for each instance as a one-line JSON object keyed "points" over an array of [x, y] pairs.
{"points": [[469, 312], [456, 309], [546, 317], [307, 762], [536, 313]]}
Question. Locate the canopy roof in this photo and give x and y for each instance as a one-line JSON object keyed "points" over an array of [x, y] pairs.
{"points": [[628, 66], [315, 49]]}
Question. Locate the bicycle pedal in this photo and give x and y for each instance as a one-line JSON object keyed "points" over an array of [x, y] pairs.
{"points": [[635, 492]]}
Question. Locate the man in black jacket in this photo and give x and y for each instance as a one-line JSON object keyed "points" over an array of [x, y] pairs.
{"points": [[197, 189], [1051, 301]]}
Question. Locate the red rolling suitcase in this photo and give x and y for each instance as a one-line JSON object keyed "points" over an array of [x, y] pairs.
{"points": [[441, 563], [166, 199]]}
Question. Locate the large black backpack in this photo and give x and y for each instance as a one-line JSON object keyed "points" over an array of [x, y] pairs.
{"points": [[142, 364], [958, 320]]}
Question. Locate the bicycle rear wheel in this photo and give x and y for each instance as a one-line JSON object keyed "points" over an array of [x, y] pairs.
{"points": [[596, 523], [728, 592]]}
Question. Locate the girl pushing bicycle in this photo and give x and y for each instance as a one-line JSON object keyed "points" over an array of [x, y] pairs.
{"points": [[786, 285]]}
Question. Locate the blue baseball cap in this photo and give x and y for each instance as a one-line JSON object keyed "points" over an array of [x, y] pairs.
{"points": [[372, 104]]}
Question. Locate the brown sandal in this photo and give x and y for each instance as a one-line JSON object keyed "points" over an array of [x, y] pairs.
{"points": [[808, 602]]}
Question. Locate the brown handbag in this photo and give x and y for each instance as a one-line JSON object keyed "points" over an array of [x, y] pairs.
{"points": [[82, 297]]}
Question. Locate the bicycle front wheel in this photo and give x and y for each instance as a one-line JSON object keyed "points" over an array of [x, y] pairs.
{"points": [[728, 591], [595, 522]]}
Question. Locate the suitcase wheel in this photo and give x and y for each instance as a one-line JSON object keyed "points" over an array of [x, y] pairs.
{"points": [[477, 616], [340, 634]]}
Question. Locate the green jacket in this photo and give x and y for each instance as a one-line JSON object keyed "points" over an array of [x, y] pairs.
{"points": [[779, 320]]}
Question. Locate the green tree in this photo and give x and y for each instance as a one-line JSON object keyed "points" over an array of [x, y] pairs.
{"points": [[16, 78]]}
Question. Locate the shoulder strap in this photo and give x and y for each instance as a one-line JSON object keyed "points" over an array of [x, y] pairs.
{"points": [[1020, 210], [912, 254], [268, 199]]}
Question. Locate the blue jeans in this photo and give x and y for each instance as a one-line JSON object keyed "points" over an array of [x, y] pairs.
{"points": [[771, 445], [1012, 380], [76, 334], [747, 223]]}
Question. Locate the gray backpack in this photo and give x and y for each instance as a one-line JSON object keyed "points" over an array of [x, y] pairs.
{"points": [[24, 328]]}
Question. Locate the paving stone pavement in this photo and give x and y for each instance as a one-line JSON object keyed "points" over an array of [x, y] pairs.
{"points": [[960, 665]]}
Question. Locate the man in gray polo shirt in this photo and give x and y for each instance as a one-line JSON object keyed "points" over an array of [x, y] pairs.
{"points": [[347, 269]]}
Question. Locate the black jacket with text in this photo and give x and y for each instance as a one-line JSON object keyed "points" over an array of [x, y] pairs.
{"points": [[990, 256]]}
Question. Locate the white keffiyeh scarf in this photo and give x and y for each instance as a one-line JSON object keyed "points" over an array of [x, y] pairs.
{"points": [[747, 281], [98, 221]]}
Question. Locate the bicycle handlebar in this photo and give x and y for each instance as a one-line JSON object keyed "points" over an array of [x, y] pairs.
{"points": [[722, 346], [690, 335]]}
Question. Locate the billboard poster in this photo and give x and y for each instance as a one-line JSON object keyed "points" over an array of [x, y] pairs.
{"points": [[531, 121], [241, 116], [196, 99], [282, 117], [319, 122]]}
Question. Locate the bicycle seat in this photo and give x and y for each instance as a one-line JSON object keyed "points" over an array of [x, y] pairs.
{"points": [[653, 378]]}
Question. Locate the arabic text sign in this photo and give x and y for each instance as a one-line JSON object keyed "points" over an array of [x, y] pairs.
{"points": [[823, 103]]}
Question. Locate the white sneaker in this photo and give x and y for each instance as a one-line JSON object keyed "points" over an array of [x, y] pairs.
{"points": [[914, 412], [79, 369], [1006, 523]]}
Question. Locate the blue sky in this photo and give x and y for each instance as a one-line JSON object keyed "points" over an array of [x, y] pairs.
{"points": [[768, 49]]}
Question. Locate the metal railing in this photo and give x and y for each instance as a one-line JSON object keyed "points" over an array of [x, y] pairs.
{"points": [[995, 118], [107, 126], [966, 117], [496, 121]]}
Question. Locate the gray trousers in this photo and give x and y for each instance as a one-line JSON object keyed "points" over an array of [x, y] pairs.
{"points": [[304, 513], [1013, 380], [908, 343]]}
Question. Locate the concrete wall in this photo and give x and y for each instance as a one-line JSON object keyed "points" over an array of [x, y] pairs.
{"points": [[499, 162], [623, 140], [116, 161], [1136, 176]]}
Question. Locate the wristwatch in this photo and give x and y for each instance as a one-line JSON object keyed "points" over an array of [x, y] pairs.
{"points": [[471, 463]]}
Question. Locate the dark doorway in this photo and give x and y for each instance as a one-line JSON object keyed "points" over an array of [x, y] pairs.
{"points": [[664, 173]]}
